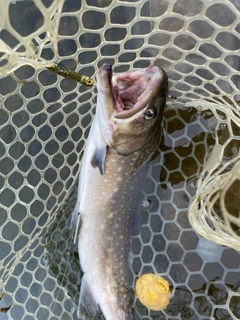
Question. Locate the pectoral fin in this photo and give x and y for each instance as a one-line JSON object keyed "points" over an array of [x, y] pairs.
{"points": [[77, 229], [75, 222], [74, 217], [87, 305], [98, 158]]}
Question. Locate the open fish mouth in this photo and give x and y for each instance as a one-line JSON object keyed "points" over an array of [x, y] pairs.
{"points": [[132, 91]]}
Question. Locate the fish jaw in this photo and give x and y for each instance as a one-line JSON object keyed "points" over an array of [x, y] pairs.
{"points": [[134, 90], [123, 103]]}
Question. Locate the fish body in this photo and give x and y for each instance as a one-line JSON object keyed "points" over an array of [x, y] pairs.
{"points": [[125, 133]]}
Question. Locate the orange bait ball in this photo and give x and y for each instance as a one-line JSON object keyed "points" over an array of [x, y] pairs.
{"points": [[153, 291]]}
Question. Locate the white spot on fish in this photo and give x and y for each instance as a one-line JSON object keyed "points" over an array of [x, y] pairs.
{"points": [[102, 226], [119, 169], [111, 214], [119, 179]]}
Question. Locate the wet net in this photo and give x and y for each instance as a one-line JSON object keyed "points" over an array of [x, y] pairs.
{"points": [[193, 185]]}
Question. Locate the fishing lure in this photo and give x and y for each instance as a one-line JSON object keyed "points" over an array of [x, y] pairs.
{"points": [[67, 73]]}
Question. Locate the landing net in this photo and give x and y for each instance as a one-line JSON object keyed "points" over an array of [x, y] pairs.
{"points": [[44, 123]]}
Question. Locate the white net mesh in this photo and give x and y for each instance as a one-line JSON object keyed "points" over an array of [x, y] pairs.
{"points": [[44, 123], [214, 212]]}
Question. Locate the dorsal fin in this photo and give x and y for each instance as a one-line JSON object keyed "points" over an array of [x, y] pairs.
{"points": [[98, 158]]}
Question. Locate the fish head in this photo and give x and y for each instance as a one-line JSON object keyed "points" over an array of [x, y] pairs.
{"points": [[130, 107]]}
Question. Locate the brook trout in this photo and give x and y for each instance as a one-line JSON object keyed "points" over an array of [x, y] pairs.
{"points": [[124, 135]]}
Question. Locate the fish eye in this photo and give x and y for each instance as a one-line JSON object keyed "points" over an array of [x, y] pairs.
{"points": [[150, 113]]}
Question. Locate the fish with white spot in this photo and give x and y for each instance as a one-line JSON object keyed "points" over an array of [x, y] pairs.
{"points": [[123, 138]]}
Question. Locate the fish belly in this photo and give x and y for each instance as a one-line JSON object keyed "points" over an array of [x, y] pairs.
{"points": [[109, 206]]}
